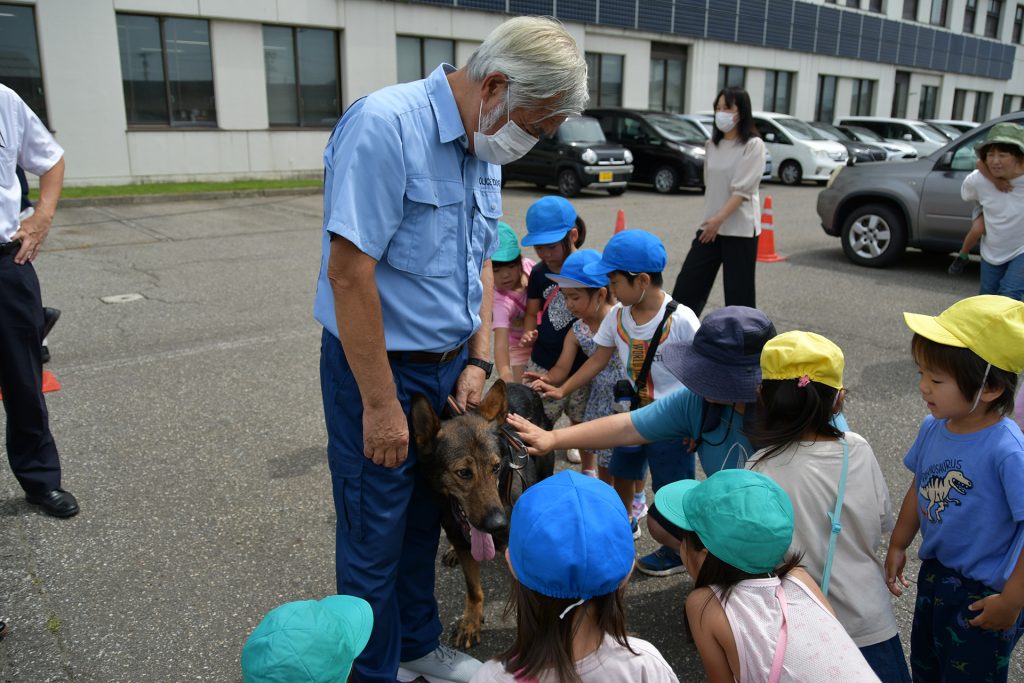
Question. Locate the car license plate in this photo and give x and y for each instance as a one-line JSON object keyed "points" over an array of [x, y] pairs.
{"points": [[605, 176]]}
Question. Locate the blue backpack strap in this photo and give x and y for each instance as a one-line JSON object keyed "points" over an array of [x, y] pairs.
{"points": [[834, 516]]}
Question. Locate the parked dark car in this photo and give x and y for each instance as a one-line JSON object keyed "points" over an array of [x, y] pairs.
{"points": [[577, 156], [860, 152], [668, 152]]}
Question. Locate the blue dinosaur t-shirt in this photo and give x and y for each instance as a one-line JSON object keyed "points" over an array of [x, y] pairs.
{"points": [[969, 498]]}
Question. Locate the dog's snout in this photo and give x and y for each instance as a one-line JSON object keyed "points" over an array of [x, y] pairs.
{"points": [[495, 521]]}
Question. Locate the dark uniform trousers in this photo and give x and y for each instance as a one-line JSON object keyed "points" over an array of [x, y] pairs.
{"points": [[30, 446]]}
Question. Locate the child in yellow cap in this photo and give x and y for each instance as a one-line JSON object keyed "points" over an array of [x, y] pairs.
{"points": [[839, 495], [968, 465]]}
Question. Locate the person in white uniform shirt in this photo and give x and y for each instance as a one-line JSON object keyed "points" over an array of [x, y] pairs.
{"points": [[25, 142]]}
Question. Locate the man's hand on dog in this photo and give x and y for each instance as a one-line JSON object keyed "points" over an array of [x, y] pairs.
{"points": [[386, 434], [538, 441], [469, 389]]}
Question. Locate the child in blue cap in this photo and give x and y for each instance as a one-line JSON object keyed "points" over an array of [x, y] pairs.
{"points": [[308, 641], [755, 615], [555, 230], [633, 261], [570, 552], [587, 298]]}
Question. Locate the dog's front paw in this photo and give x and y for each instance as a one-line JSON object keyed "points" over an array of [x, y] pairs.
{"points": [[467, 634], [450, 557]]}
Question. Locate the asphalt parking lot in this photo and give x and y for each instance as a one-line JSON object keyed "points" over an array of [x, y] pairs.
{"points": [[191, 427]]}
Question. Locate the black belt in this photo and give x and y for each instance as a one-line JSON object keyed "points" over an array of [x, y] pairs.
{"points": [[10, 247], [425, 356]]}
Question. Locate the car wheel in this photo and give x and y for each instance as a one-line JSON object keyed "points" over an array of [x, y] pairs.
{"points": [[790, 173], [874, 235], [666, 180], [616, 191], [568, 182]]}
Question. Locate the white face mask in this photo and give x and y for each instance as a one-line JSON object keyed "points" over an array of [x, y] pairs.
{"points": [[510, 142], [725, 121]]}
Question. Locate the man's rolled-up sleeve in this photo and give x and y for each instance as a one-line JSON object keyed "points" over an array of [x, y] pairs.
{"points": [[39, 152], [368, 186]]}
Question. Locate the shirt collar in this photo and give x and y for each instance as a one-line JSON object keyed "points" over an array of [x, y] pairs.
{"points": [[442, 100]]}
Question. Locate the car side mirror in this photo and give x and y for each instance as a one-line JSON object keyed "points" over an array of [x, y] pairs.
{"points": [[947, 160], [769, 137], [908, 137]]}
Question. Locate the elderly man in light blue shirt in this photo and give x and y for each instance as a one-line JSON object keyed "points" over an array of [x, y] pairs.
{"points": [[412, 195]]}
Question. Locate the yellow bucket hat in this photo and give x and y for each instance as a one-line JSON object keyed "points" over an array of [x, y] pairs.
{"points": [[991, 326], [803, 355]]}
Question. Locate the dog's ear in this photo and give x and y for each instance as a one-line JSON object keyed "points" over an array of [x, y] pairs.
{"points": [[495, 403], [425, 423]]}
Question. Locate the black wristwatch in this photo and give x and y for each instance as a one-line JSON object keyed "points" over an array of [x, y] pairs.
{"points": [[488, 368]]}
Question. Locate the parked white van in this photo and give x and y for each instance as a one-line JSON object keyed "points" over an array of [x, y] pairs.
{"points": [[798, 151], [918, 133]]}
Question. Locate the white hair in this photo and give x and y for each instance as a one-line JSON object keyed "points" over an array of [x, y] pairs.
{"points": [[540, 59]]}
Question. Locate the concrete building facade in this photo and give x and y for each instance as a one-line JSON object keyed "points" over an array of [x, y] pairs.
{"points": [[161, 90]]}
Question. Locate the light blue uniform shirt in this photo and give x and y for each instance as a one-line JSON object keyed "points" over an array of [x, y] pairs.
{"points": [[400, 185]]}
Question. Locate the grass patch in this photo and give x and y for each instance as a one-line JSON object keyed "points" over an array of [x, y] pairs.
{"points": [[183, 188], [53, 623]]}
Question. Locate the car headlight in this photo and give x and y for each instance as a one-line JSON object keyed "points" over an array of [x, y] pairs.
{"points": [[822, 154], [628, 157], [589, 156]]}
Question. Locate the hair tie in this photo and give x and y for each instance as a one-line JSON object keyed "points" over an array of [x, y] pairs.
{"points": [[803, 381]]}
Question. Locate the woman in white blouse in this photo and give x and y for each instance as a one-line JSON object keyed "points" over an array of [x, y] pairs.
{"points": [[728, 236]]}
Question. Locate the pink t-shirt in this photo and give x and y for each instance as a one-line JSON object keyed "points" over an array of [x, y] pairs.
{"points": [[509, 310]]}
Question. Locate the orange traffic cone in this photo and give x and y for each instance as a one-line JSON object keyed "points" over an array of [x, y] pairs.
{"points": [[50, 383], [766, 242], [620, 222]]}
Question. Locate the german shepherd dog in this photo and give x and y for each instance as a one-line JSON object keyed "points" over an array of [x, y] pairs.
{"points": [[477, 478]]}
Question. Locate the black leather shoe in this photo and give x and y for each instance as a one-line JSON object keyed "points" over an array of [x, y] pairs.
{"points": [[50, 318], [57, 503]]}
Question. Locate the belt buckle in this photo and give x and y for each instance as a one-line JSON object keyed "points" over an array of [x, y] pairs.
{"points": [[450, 354]]}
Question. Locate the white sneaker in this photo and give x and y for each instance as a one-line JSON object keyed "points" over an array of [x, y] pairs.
{"points": [[573, 456], [639, 509], [443, 665]]}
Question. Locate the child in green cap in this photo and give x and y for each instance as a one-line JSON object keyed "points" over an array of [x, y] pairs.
{"points": [[965, 496], [755, 615], [511, 275]]}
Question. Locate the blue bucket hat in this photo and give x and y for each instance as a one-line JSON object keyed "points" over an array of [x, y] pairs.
{"points": [[570, 538], [634, 251], [308, 641], [743, 518], [549, 220], [723, 361], [508, 244], [573, 275]]}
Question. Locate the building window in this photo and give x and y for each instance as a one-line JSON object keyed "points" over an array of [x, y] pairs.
{"points": [[19, 58], [938, 13], [301, 67], [863, 100], [995, 11], [1007, 104], [900, 93], [959, 100], [1018, 23], [853, 3], [417, 57], [928, 106], [731, 75], [604, 79], [970, 14], [825, 106], [666, 90], [875, 5], [166, 70], [910, 10], [778, 90], [982, 104]]}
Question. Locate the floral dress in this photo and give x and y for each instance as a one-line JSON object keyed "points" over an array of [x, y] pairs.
{"points": [[602, 387]]}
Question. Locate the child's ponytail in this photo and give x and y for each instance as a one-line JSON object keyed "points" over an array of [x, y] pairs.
{"points": [[581, 236], [789, 409]]}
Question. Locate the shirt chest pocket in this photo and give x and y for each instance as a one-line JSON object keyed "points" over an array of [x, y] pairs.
{"points": [[485, 222], [426, 242]]}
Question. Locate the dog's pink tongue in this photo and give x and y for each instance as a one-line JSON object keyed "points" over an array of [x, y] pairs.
{"points": [[482, 544]]}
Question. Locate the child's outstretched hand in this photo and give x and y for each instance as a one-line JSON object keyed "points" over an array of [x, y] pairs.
{"points": [[528, 339], [895, 561], [547, 390], [538, 441], [997, 614], [531, 377]]}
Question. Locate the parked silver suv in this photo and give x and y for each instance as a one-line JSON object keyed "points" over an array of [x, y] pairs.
{"points": [[878, 210]]}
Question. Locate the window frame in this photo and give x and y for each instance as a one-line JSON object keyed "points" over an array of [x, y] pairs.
{"points": [[772, 95], [910, 10], [928, 107], [422, 41], [1018, 25], [728, 69], [943, 13], [977, 114], [857, 97], [970, 15], [818, 109], [666, 53], [299, 108], [993, 20], [597, 74], [42, 110]]}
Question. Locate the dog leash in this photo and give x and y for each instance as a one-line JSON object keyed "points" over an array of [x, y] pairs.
{"points": [[520, 455]]}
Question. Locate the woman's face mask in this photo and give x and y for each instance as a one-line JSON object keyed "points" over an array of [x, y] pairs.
{"points": [[725, 121], [510, 142]]}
